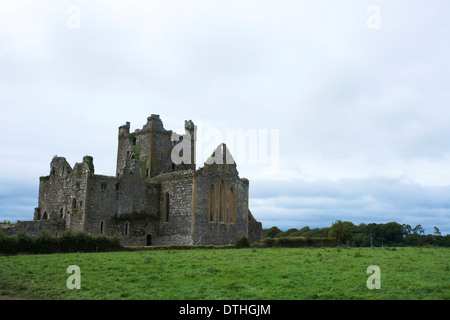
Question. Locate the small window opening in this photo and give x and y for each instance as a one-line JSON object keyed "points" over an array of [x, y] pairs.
{"points": [[166, 209]]}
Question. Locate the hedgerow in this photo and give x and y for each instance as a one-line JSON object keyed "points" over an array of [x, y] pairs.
{"points": [[69, 241]]}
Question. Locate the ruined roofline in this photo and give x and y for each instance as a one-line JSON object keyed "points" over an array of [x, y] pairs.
{"points": [[221, 155], [154, 123], [180, 174], [61, 167]]}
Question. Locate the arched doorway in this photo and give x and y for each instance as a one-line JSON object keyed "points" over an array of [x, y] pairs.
{"points": [[148, 239]]}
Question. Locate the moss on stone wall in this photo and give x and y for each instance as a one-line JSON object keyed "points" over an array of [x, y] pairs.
{"points": [[136, 152], [132, 138], [134, 216]]}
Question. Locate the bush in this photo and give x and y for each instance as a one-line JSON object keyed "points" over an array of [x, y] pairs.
{"points": [[46, 243], [242, 242], [104, 243], [68, 242], [296, 242], [8, 244], [25, 243]]}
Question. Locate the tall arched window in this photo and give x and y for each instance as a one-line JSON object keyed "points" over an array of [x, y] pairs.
{"points": [[102, 226], [74, 203], [212, 203], [232, 205], [223, 202], [126, 228], [166, 206], [44, 216]]}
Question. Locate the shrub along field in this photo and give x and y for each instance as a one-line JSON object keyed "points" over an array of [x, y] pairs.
{"points": [[248, 273]]}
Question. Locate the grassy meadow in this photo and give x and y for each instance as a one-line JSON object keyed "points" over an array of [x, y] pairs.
{"points": [[212, 274]]}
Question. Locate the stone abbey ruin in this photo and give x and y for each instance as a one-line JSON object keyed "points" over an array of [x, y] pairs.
{"points": [[152, 199]]}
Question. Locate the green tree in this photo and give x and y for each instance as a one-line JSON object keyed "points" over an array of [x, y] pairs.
{"points": [[418, 229], [303, 230], [272, 232], [436, 231], [391, 232], [288, 233], [372, 236], [342, 231], [406, 229]]}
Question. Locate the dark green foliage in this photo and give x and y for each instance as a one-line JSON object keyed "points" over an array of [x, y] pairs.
{"points": [[46, 243], [24, 242], [242, 242], [342, 231], [271, 233], [295, 242], [289, 233], [348, 234], [68, 242], [8, 244], [135, 216]]}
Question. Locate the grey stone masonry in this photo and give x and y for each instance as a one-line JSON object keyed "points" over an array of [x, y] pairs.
{"points": [[152, 199]]}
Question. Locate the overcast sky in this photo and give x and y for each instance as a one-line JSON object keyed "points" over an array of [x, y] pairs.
{"points": [[354, 95]]}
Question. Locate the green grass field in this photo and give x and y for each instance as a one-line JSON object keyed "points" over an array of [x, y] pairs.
{"points": [[211, 274]]}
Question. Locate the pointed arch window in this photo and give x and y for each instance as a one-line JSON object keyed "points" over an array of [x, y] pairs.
{"points": [[232, 205], [223, 202], [212, 203]]}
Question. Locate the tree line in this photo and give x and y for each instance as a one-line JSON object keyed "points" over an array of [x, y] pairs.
{"points": [[365, 235]]}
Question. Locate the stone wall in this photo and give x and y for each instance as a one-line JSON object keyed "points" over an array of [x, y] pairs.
{"points": [[176, 208], [62, 194], [221, 204], [255, 231], [36, 227]]}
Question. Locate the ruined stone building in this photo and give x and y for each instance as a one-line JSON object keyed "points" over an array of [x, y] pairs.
{"points": [[151, 200]]}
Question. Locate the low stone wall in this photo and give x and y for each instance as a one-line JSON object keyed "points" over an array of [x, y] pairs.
{"points": [[35, 227]]}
